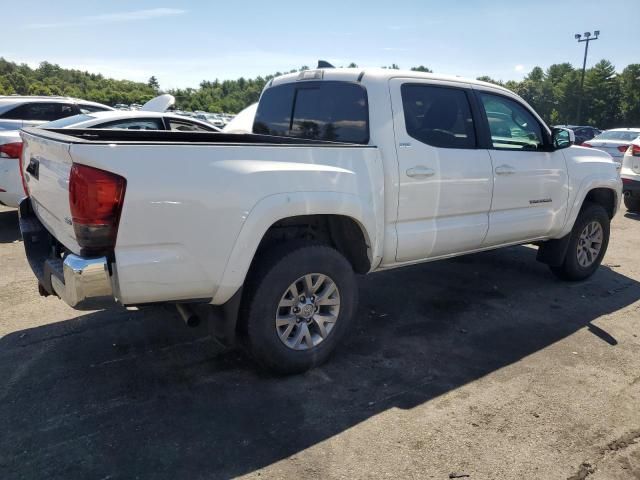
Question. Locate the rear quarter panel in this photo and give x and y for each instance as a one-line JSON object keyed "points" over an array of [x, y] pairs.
{"points": [[186, 206]]}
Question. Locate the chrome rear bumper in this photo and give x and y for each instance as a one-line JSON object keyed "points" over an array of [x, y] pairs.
{"points": [[82, 279], [81, 282]]}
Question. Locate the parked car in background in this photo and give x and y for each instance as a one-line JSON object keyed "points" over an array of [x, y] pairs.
{"points": [[630, 174], [11, 190], [347, 171], [212, 118], [243, 121], [615, 141], [17, 112], [134, 120], [582, 133]]}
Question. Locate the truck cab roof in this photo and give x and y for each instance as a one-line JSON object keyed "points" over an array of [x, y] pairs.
{"points": [[373, 75]]}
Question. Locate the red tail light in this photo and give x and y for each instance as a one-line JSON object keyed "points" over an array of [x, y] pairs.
{"points": [[96, 199], [623, 148], [586, 144], [11, 150], [635, 150], [21, 166]]}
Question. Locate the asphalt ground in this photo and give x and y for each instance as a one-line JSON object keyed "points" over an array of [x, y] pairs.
{"points": [[485, 366]]}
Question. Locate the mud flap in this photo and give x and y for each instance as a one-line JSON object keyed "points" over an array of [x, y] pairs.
{"points": [[553, 252]]}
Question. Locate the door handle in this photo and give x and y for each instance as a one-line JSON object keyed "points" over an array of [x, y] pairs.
{"points": [[420, 172], [505, 170]]}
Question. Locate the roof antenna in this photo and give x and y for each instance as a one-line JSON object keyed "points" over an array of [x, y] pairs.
{"points": [[324, 64]]}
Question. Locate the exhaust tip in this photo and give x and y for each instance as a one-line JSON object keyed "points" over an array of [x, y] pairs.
{"points": [[188, 314]]}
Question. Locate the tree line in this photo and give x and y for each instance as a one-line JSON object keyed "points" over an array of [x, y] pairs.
{"points": [[610, 99]]}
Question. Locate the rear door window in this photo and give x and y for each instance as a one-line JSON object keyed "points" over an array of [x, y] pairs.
{"points": [[438, 116], [325, 110]]}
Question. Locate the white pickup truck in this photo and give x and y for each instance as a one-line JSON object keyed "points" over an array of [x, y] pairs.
{"points": [[347, 172]]}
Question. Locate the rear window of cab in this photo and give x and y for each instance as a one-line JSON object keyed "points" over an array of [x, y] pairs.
{"points": [[317, 110]]}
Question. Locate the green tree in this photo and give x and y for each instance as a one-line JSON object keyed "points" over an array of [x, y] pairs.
{"points": [[630, 95], [153, 83], [609, 99], [601, 100], [488, 79]]}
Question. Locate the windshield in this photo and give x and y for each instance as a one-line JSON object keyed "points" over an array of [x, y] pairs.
{"points": [[65, 122], [625, 135]]}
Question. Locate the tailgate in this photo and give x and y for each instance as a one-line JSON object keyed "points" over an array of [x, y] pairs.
{"points": [[47, 165]]}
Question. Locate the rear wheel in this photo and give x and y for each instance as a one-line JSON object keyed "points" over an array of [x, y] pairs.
{"points": [[632, 204], [587, 245], [299, 304]]}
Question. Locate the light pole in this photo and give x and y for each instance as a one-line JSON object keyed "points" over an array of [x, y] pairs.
{"points": [[587, 38]]}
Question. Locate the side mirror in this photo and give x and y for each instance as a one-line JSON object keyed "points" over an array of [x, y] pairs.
{"points": [[562, 138]]}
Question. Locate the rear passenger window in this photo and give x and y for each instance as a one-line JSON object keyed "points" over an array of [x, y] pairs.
{"points": [[333, 111], [438, 116], [41, 111]]}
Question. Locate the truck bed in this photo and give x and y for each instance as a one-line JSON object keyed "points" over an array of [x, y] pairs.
{"points": [[190, 195], [94, 135]]}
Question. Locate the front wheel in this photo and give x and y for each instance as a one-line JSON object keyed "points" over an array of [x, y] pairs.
{"points": [[587, 244], [299, 303]]}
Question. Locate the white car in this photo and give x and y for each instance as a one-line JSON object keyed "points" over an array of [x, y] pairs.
{"points": [[11, 189], [243, 121], [17, 112], [615, 141], [133, 120], [630, 174], [347, 171]]}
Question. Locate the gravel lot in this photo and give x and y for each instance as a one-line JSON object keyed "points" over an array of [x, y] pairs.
{"points": [[483, 367]]}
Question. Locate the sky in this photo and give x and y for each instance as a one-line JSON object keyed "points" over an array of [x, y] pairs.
{"points": [[183, 43]]}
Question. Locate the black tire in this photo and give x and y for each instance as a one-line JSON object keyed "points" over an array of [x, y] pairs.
{"points": [[271, 275], [571, 269], [632, 204]]}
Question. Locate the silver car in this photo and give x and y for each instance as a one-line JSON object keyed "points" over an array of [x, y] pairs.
{"points": [[615, 141], [17, 112]]}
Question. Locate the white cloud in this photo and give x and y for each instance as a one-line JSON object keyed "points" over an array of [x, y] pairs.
{"points": [[519, 68], [135, 15]]}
